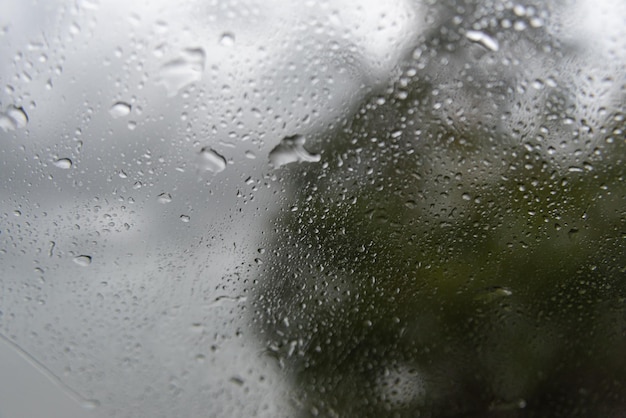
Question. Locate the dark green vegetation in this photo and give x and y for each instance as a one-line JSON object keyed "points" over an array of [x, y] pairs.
{"points": [[459, 251]]}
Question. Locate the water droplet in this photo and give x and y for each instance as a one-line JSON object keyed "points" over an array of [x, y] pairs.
{"points": [[225, 300], [182, 71], [18, 115], [83, 260], [63, 163], [211, 160], [120, 110], [90, 403], [519, 25], [519, 10], [185, 218], [164, 198], [197, 327], [13, 118], [493, 293], [538, 84], [508, 406], [227, 39], [483, 39], [74, 28], [291, 150]]}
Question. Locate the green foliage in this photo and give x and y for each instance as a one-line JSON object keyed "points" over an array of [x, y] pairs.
{"points": [[438, 268]]}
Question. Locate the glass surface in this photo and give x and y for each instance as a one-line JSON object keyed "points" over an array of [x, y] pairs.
{"points": [[312, 208]]}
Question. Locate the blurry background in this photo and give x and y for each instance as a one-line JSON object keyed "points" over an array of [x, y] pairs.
{"points": [[444, 237]]}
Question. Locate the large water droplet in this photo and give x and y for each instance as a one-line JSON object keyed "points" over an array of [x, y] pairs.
{"points": [[182, 71], [13, 118], [227, 39], [483, 39], [63, 163], [83, 260], [120, 110], [493, 293], [291, 150], [164, 198], [210, 160]]}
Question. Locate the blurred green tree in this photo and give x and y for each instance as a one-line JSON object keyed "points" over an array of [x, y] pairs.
{"points": [[459, 251]]}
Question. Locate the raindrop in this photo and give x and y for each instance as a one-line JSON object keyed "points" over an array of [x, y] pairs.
{"points": [[483, 39], [90, 403], [493, 293], [197, 327], [120, 110], [63, 163], [18, 115], [509, 406], [211, 160], [519, 10], [182, 71], [538, 84], [164, 198], [519, 25], [83, 260], [13, 118], [74, 28], [227, 39], [224, 300], [291, 150]]}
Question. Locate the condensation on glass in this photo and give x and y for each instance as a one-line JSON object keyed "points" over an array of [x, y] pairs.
{"points": [[284, 208]]}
